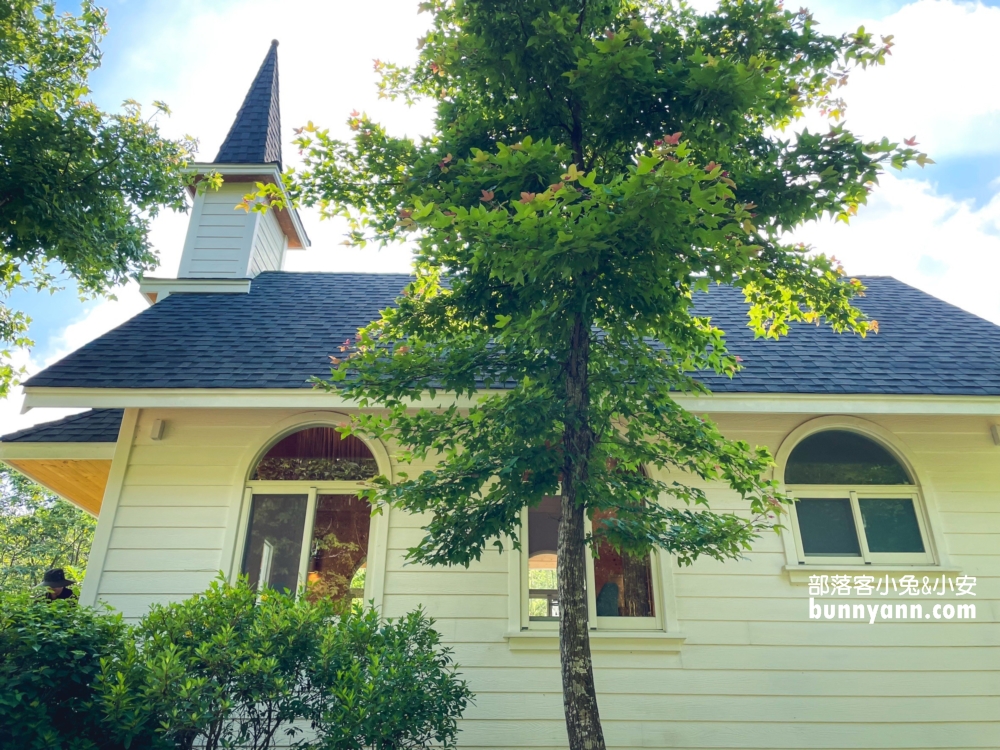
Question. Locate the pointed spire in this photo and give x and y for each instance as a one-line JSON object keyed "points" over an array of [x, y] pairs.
{"points": [[255, 137]]}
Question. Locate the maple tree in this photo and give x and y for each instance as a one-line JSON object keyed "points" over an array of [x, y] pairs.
{"points": [[594, 166], [78, 186]]}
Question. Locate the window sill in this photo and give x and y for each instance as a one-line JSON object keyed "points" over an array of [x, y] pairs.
{"points": [[799, 574], [600, 640]]}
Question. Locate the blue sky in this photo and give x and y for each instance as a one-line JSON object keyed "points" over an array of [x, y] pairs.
{"points": [[937, 229]]}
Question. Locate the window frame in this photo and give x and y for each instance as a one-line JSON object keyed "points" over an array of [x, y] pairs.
{"points": [[662, 595], [312, 490], [933, 557], [854, 493], [235, 535]]}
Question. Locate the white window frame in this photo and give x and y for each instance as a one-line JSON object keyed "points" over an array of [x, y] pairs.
{"points": [[662, 595], [257, 446], [798, 565], [312, 490], [854, 494]]}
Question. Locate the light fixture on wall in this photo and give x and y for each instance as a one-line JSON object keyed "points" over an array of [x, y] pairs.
{"points": [[995, 432], [156, 433]]}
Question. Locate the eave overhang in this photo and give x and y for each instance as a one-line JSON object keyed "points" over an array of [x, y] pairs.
{"points": [[157, 289], [76, 472], [718, 403]]}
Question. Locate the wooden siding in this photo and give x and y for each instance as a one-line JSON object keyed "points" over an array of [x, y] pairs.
{"points": [[268, 245], [754, 672], [169, 526], [220, 236], [227, 242]]}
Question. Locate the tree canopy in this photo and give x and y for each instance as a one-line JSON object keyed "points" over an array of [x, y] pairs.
{"points": [[595, 166], [78, 186]]}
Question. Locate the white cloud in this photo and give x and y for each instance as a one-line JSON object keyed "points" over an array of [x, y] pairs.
{"points": [[945, 247], [935, 83], [11, 418]]}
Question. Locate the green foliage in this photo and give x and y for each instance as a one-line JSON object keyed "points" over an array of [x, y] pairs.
{"points": [[392, 685], [227, 668], [50, 660], [217, 669], [78, 186], [322, 469], [595, 166], [233, 668], [39, 531]]}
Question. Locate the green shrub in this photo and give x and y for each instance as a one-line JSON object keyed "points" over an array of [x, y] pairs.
{"points": [[226, 668], [231, 668], [218, 669], [386, 685], [50, 661]]}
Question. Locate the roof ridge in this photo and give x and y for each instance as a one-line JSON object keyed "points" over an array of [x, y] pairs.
{"points": [[255, 135]]}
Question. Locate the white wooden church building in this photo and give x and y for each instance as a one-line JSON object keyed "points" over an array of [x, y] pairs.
{"points": [[206, 449]]}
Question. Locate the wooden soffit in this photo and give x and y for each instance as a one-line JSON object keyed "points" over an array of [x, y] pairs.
{"points": [[81, 482]]}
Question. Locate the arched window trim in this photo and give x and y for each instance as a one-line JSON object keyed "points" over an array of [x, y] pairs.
{"points": [[917, 491], [239, 523]]}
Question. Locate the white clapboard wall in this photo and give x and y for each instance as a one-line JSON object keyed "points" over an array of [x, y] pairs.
{"points": [[227, 242], [753, 672]]}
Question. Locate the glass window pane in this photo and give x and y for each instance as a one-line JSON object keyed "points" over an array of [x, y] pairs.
{"points": [[317, 453], [339, 548], [891, 525], [274, 540], [543, 538], [842, 457], [827, 527], [624, 583]]}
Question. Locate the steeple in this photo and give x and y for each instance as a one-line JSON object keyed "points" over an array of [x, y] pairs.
{"points": [[255, 137], [226, 245]]}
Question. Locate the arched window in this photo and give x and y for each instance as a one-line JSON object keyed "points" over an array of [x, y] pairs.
{"points": [[316, 453], [856, 502], [306, 527], [842, 457]]}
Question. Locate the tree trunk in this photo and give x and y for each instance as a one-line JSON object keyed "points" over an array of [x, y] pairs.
{"points": [[583, 721]]}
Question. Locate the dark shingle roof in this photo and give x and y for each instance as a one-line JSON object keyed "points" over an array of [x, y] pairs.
{"points": [[255, 137], [284, 330], [277, 336], [94, 426]]}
